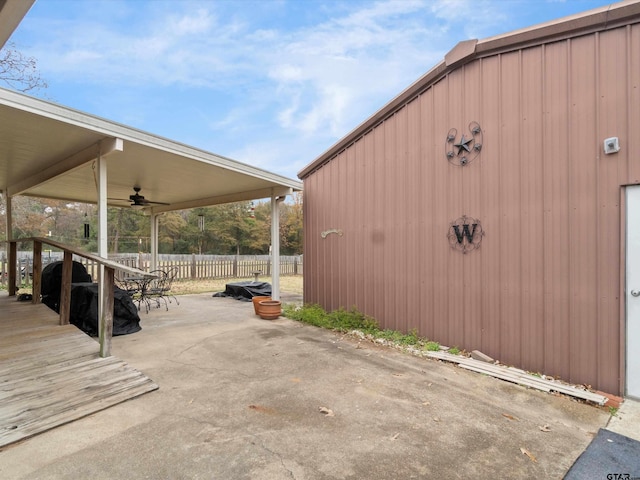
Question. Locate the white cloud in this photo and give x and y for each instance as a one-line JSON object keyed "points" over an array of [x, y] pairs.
{"points": [[258, 77], [197, 24]]}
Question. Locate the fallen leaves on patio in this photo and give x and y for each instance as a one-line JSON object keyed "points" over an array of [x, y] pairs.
{"points": [[326, 411], [544, 428], [262, 409], [510, 417], [528, 454]]}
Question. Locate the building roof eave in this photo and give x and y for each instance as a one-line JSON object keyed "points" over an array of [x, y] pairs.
{"points": [[599, 19]]}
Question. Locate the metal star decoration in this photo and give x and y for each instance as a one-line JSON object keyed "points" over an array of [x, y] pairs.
{"points": [[463, 144], [461, 153]]}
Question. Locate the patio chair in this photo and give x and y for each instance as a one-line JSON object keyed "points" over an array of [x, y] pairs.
{"points": [[154, 291], [172, 273], [134, 286], [158, 289]]}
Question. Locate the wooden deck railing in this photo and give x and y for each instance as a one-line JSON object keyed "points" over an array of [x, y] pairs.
{"points": [[105, 287]]}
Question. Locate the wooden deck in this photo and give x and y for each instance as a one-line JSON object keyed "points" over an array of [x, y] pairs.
{"points": [[51, 374]]}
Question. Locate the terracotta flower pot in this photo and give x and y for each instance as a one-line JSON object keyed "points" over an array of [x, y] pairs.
{"points": [[256, 301], [269, 309]]}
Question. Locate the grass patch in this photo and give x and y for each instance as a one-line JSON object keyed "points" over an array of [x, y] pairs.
{"points": [[288, 283], [342, 320], [179, 287]]}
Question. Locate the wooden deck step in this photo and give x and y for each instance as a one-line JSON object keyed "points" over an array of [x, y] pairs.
{"points": [[51, 374]]}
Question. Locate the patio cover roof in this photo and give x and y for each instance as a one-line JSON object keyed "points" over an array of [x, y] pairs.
{"points": [[11, 14], [51, 151], [48, 151]]}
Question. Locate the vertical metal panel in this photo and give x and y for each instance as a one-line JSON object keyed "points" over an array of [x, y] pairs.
{"points": [[367, 206], [453, 207], [414, 190], [507, 181], [356, 175], [402, 222], [340, 247], [472, 205], [532, 183], [439, 220], [555, 153], [542, 292], [310, 249], [583, 211], [390, 252], [492, 243], [379, 235], [632, 96], [615, 105], [427, 203]]}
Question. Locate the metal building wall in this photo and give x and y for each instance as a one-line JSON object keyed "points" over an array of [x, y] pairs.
{"points": [[543, 291]]}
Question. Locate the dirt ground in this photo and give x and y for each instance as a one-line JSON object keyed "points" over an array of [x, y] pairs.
{"points": [[288, 284]]}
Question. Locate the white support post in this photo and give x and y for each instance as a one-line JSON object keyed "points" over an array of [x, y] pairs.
{"points": [[275, 246], [154, 241], [8, 217], [11, 248], [103, 295], [101, 173]]}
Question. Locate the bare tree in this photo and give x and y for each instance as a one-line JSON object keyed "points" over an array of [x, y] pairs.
{"points": [[18, 71]]}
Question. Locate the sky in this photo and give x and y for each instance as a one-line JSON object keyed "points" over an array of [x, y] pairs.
{"points": [[270, 83]]}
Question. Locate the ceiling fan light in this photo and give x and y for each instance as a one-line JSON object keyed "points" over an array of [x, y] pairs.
{"points": [[137, 206]]}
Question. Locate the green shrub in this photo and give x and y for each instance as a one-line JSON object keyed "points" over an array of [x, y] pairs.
{"points": [[311, 314], [391, 335], [432, 346]]}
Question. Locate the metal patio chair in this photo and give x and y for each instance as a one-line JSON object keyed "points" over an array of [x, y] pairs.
{"points": [[158, 288]]}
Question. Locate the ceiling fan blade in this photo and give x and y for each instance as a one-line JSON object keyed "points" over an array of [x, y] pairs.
{"points": [[137, 200]]}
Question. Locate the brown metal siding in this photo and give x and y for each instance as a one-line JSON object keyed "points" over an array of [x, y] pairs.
{"points": [[543, 291], [532, 197]]}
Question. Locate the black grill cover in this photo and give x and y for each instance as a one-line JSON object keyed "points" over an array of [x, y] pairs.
{"points": [[84, 310], [52, 279], [84, 301]]}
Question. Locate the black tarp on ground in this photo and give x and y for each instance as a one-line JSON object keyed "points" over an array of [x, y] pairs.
{"points": [[84, 301], [245, 291], [609, 455]]}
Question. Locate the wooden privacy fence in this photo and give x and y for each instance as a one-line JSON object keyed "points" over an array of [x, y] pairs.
{"points": [[190, 267]]}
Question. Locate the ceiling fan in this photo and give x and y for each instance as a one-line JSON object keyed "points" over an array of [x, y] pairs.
{"points": [[138, 201]]}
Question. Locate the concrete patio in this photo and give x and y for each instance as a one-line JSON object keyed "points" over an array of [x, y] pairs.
{"points": [[244, 398]]}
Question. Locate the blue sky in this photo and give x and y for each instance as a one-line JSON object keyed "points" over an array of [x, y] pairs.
{"points": [[271, 83]]}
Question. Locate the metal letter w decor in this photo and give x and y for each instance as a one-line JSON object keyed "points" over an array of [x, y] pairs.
{"points": [[465, 234]]}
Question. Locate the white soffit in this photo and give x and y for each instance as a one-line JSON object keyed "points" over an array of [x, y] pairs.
{"points": [[47, 150], [11, 14]]}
